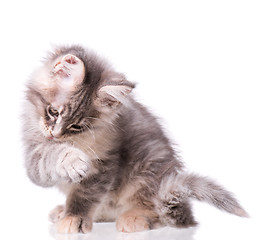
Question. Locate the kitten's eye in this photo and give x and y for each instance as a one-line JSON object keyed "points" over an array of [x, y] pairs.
{"points": [[52, 112], [76, 128]]}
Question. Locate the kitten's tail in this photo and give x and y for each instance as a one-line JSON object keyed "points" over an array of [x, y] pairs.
{"points": [[178, 188]]}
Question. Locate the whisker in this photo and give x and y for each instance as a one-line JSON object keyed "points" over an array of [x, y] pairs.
{"points": [[89, 126], [85, 145], [105, 121], [92, 118], [93, 152], [31, 129]]}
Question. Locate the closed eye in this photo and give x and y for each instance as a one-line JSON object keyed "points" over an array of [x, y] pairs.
{"points": [[75, 128]]}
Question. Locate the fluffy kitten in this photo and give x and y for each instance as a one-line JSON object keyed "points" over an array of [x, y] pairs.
{"points": [[84, 133]]}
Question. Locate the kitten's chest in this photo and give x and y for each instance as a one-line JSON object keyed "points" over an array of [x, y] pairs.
{"points": [[116, 202], [108, 209], [111, 206]]}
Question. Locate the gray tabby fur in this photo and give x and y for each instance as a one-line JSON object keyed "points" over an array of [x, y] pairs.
{"points": [[84, 133]]}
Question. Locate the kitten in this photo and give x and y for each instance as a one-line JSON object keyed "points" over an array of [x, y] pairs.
{"points": [[84, 133]]}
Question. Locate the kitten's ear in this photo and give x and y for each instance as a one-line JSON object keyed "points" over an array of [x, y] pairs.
{"points": [[114, 89]]}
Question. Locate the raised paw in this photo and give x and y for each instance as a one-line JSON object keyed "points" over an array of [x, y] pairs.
{"points": [[130, 222], [66, 64], [73, 165], [73, 224], [69, 67], [56, 214]]}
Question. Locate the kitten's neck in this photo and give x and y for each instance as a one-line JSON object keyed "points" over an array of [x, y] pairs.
{"points": [[97, 142]]}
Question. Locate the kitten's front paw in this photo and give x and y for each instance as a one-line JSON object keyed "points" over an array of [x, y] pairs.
{"points": [[73, 224], [73, 165], [56, 214]]}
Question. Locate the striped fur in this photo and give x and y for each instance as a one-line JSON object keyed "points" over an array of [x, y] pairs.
{"points": [[84, 133]]}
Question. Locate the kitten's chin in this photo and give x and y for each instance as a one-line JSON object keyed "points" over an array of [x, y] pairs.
{"points": [[52, 138], [55, 139]]}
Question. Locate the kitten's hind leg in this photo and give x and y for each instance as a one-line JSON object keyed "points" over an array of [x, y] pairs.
{"points": [[136, 220], [177, 214]]}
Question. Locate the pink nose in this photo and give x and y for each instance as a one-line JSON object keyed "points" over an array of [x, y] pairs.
{"points": [[57, 132]]}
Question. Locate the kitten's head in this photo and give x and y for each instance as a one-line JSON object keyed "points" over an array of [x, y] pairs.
{"points": [[75, 91]]}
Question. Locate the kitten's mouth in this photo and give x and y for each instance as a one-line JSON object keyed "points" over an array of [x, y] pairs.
{"points": [[55, 139]]}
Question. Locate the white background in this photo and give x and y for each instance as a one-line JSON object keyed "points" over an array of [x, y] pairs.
{"points": [[198, 65]]}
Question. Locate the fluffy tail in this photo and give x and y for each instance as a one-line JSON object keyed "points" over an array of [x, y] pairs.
{"points": [[178, 188]]}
